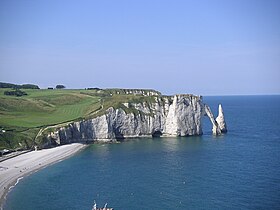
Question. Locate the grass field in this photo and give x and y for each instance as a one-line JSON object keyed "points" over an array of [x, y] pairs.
{"points": [[22, 118]]}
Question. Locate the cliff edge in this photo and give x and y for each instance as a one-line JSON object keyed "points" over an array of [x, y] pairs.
{"points": [[154, 115]]}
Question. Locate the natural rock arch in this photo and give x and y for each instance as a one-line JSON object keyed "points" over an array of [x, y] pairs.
{"points": [[156, 133]]}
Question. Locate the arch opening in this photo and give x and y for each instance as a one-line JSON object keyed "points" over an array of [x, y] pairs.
{"points": [[156, 133]]}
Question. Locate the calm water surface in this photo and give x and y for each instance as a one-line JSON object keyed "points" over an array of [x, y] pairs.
{"points": [[240, 170]]}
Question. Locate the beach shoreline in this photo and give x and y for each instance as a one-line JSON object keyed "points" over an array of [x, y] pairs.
{"points": [[14, 169]]}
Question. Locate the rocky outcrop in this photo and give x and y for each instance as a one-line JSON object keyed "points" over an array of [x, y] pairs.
{"points": [[180, 115], [219, 124], [134, 92], [221, 120]]}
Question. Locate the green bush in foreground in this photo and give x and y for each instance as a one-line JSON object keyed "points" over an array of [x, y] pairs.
{"points": [[17, 93]]}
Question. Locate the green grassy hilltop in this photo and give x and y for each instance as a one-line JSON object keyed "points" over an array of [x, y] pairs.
{"points": [[23, 118]]}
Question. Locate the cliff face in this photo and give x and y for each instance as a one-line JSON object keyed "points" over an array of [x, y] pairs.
{"points": [[180, 115], [221, 120]]}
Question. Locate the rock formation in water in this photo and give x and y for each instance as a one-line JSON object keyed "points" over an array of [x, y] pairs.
{"points": [[179, 115], [221, 120], [219, 124]]}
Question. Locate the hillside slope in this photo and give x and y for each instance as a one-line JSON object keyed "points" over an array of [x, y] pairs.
{"points": [[23, 118], [48, 118]]}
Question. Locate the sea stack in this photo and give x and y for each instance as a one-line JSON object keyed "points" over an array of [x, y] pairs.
{"points": [[219, 124], [221, 120]]}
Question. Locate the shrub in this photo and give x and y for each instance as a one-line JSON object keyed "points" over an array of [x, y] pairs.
{"points": [[60, 87], [8, 85], [14, 86], [15, 93], [29, 86]]}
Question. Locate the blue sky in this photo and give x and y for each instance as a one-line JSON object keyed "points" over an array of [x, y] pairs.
{"points": [[206, 47]]}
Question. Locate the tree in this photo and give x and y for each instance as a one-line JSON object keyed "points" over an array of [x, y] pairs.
{"points": [[14, 86], [60, 87], [29, 86]]}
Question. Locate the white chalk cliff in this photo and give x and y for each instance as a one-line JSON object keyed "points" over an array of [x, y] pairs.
{"points": [[179, 115], [221, 120], [219, 124]]}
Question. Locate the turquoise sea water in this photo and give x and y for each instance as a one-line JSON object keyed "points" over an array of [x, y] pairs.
{"points": [[240, 170]]}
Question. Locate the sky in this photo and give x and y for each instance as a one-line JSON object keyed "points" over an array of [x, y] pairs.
{"points": [[205, 47]]}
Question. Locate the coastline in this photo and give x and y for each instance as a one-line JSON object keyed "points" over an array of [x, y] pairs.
{"points": [[14, 169]]}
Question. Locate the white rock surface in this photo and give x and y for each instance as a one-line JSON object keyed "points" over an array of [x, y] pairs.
{"points": [[180, 115], [219, 124], [221, 120]]}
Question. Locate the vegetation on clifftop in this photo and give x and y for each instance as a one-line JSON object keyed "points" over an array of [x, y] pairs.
{"points": [[14, 86], [41, 110]]}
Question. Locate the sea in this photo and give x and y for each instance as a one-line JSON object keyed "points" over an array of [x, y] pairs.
{"points": [[238, 170]]}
